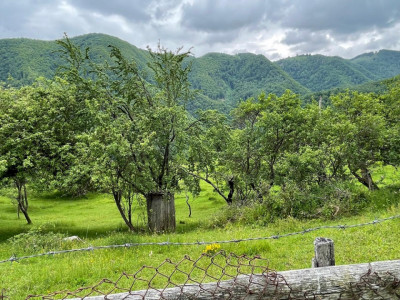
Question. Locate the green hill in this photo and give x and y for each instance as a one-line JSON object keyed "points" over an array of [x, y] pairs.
{"points": [[229, 78], [384, 63], [318, 72], [377, 87], [25, 59], [222, 79]]}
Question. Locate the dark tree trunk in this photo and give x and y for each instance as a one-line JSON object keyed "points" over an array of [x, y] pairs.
{"points": [[161, 211], [23, 200], [272, 173], [231, 184], [118, 201], [365, 178], [188, 204], [219, 191]]}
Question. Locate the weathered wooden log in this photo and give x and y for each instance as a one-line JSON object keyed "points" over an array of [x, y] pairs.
{"points": [[378, 280], [324, 253], [161, 212]]}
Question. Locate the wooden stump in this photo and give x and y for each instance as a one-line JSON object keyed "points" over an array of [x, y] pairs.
{"points": [[324, 253], [161, 212]]}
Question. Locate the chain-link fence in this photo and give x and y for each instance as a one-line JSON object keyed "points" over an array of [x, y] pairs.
{"points": [[185, 279], [228, 276]]}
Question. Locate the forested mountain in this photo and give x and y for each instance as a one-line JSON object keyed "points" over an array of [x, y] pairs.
{"points": [[234, 77], [318, 72], [378, 87], [221, 78], [25, 59], [384, 63]]}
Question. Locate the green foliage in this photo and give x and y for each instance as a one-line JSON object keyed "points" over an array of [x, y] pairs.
{"points": [[223, 79], [318, 72], [384, 63], [38, 239], [233, 78]]}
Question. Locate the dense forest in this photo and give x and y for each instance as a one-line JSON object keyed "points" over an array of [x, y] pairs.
{"points": [[223, 80], [122, 127]]}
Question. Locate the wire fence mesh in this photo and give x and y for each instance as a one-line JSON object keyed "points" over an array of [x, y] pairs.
{"points": [[14, 258], [228, 276], [184, 279]]}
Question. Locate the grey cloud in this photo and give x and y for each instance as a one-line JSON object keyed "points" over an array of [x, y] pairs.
{"points": [[306, 41], [294, 37], [165, 9], [134, 11], [342, 16], [288, 26], [220, 37], [211, 15], [14, 15]]}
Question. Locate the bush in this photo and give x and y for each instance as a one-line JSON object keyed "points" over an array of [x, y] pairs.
{"points": [[37, 239], [327, 202]]}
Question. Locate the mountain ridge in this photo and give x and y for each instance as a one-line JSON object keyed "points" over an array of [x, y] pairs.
{"points": [[223, 79]]}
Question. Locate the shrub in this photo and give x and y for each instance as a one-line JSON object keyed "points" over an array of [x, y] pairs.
{"points": [[37, 239]]}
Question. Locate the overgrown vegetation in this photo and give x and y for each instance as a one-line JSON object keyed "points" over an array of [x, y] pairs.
{"points": [[114, 128]]}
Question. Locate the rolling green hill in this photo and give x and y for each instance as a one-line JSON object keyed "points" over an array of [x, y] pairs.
{"points": [[377, 87], [384, 63], [318, 72], [222, 79], [25, 59], [233, 77]]}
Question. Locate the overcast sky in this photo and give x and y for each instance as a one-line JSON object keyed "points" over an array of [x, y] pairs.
{"points": [[274, 28]]}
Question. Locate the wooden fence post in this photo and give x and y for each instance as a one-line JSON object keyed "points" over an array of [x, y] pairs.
{"points": [[324, 253]]}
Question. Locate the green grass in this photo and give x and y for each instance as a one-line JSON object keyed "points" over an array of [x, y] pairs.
{"points": [[96, 220]]}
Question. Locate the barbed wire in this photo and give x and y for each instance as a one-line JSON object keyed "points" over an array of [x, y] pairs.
{"points": [[168, 243], [3, 295]]}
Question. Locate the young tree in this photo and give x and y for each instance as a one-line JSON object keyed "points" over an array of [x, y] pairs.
{"points": [[391, 147], [139, 139], [21, 137], [362, 132], [209, 140], [38, 128]]}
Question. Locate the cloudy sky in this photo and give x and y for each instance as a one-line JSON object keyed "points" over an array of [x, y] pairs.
{"points": [[274, 28]]}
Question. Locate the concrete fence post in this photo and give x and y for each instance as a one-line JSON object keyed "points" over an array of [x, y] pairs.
{"points": [[324, 253]]}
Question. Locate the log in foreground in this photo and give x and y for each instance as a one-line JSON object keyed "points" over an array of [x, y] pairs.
{"points": [[377, 280]]}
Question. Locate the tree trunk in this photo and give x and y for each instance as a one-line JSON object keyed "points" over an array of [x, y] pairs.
{"points": [[365, 179], [231, 184], [188, 204], [118, 201], [23, 200], [161, 211]]}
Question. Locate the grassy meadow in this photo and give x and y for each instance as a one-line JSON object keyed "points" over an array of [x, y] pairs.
{"points": [[95, 219]]}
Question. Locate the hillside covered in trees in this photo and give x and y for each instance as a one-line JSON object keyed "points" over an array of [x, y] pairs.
{"points": [[223, 80]]}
